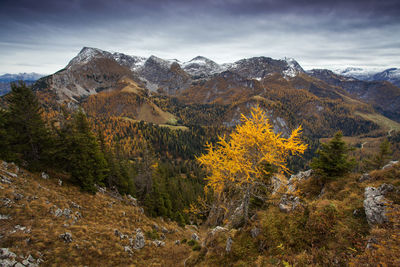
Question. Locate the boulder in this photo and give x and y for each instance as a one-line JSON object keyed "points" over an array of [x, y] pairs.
{"points": [[74, 205], [67, 213], [195, 237], [297, 178], [139, 240], [229, 243], [102, 190], [390, 164], [67, 237], [45, 176], [159, 243], [7, 263], [4, 217], [58, 212], [375, 203], [164, 230], [131, 201], [60, 182], [128, 249], [218, 229], [5, 253]]}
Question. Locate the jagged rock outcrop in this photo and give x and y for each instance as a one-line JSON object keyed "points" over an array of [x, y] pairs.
{"points": [[162, 74], [91, 71], [140, 242], [375, 203], [259, 67]]}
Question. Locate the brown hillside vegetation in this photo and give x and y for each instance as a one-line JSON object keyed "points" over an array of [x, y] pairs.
{"points": [[328, 228], [35, 212], [128, 99]]}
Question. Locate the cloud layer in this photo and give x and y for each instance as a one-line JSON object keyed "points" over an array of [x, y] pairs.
{"points": [[42, 36]]}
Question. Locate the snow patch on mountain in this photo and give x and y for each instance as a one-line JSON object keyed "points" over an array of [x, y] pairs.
{"points": [[391, 75], [134, 63], [293, 68], [364, 74], [201, 67], [87, 54]]}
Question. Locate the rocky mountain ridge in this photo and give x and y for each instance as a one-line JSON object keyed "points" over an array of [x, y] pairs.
{"points": [[289, 94], [391, 75]]}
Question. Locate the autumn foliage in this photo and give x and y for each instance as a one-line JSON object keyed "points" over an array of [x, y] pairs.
{"points": [[247, 157]]}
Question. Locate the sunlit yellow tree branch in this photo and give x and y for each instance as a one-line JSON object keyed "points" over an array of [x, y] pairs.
{"points": [[240, 160]]}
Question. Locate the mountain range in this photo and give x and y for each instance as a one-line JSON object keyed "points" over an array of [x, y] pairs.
{"points": [[391, 75], [7, 79], [137, 87]]}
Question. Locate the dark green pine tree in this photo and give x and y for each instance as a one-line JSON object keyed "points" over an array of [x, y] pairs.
{"points": [[28, 136], [84, 159], [6, 153], [333, 159]]}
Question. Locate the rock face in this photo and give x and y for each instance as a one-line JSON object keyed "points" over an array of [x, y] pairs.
{"points": [[160, 73], [260, 67], [91, 71], [159, 243], [298, 178], [375, 203], [201, 67], [382, 95]]}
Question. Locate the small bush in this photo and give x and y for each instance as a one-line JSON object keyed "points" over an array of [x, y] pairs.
{"points": [[192, 242], [153, 235], [196, 247]]}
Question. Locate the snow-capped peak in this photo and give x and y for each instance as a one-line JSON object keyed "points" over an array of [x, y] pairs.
{"points": [[357, 72], [201, 67], [293, 68], [132, 62], [87, 54]]}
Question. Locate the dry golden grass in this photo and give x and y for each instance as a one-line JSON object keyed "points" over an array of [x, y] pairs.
{"points": [[381, 120], [94, 242]]}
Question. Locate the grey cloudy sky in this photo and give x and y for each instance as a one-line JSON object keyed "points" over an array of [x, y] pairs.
{"points": [[42, 36]]}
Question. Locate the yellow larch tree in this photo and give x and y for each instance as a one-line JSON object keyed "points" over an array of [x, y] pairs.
{"points": [[247, 158]]}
